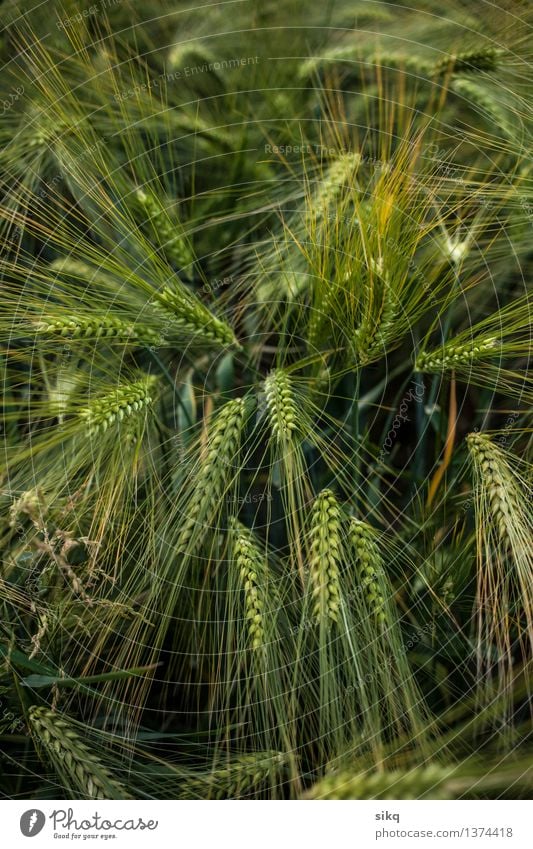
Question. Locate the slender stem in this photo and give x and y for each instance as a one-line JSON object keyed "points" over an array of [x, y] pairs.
{"points": [[448, 445], [433, 392], [377, 390], [354, 424], [394, 407], [420, 423], [444, 336], [162, 367]]}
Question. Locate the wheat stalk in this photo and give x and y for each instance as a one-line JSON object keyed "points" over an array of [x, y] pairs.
{"points": [[469, 61], [504, 531], [281, 405], [338, 178], [479, 97], [216, 467], [498, 481], [84, 327], [454, 354], [117, 405], [70, 756], [417, 783], [169, 232], [73, 268], [353, 59], [416, 65], [370, 338], [190, 316], [246, 775], [253, 575], [370, 566], [325, 556]]}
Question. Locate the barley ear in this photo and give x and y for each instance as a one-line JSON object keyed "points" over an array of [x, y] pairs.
{"points": [[370, 567], [216, 469], [497, 480], [72, 759], [184, 314], [124, 402], [247, 775], [504, 529], [430, 782], [338, 179], [253, 574], [325, 557], [452, 355], [469, 62], [169, 232], [78, 327], [284, 416]]}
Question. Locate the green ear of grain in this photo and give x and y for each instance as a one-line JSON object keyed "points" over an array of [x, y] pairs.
{"points": [[246, 776], [416, 65], [354, 61], [121, 403], [497, 481], [481, 100], [281, 406], [338, 178], [216, 469], [169, 233], [504, 534], [370, 567], [182, 313], [452, 355], [72, 759], [469, 62], [325, 557], [253, 574], [290, 278], [417, 783], [78, 327], [371, 337]]}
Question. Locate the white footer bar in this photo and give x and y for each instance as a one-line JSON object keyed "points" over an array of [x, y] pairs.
{"points": [[267, 825]]}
